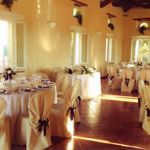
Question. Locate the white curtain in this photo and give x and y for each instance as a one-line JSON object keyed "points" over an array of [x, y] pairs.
{"points": [[6, 44]]}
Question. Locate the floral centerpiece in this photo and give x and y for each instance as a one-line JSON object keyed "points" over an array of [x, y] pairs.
{"points": [[8, 73], [68, 70], [87, 69]]}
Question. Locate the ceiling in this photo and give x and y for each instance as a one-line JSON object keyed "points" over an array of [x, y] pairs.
{"points": [[126, 4]]}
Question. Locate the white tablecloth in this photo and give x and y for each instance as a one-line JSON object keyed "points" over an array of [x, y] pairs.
{"points": [[17, 103], [90, 84]]}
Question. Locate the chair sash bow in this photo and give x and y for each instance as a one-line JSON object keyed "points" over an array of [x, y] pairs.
{"points": [[111, 77], [127, 81], [71, 111], [148, 111], [146, 82], [139, 101], [78, 100], [43, 124]]}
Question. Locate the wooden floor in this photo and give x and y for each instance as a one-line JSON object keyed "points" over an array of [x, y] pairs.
{"points": [[109, 122]]}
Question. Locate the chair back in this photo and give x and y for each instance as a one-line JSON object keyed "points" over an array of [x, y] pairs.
{"points": [[62, 83], [71, 95], [146, 95], [39, 108], [2, 108], [42, 74]]}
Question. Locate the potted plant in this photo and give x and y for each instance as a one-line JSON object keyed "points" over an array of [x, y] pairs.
{"points": [[78, 15], [7, 3]]}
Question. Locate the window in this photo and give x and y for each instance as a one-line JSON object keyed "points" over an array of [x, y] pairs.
{"points": [[110, 53], [12, 45], [140, 49], [78, 48], [4, 45]]}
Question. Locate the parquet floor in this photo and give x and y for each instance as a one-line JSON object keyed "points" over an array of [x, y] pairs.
{"points": [[109, 122]]}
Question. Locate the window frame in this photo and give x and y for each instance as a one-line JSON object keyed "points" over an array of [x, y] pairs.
{"points": [[108, 52], [15, 19], [80, 31], [133, 40]]}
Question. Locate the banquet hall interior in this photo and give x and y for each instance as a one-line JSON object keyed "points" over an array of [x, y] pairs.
{"points": [[74, 74]]}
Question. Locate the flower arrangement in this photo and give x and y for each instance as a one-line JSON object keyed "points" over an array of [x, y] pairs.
{"points": [[7, 3], [111, 26], [8, 73], [79, 17], [87, 70], [69, 71]]}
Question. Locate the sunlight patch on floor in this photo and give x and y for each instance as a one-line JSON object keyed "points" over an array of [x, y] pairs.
{"points": [[118, 98], [106, 142]]}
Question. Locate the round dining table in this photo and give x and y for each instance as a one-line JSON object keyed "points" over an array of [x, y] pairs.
{"points": [[17, 103]]}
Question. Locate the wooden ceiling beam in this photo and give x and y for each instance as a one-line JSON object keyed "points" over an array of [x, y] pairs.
{"points": [[141, 19], [111, 15], [79, 3], [103, 3]]}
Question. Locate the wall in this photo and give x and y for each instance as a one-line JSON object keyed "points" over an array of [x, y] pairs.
{"points": [[49, 47], [96, 24]]}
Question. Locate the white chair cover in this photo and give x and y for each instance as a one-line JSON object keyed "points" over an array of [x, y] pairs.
{"points": [[62, 123], [146, 122], [62, 85], [128, 83], [141, 100], [115, 82], [39, 110], [59, 80], [143, 74], [114, 79], [42, 74], [4, 127]]}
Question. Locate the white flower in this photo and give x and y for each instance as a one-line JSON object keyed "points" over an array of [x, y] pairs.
{"points": [[9, 71]]}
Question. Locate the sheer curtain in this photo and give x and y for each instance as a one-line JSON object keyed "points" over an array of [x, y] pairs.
{"points": [[78, 48], [5, 44]]}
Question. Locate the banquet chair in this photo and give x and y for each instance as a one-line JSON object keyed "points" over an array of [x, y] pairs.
{"points": [[42, 74], [141, 102], [128, 82], [62, 116], [114, 78], [146, 121], [33, 128], [144, 80], [5, 142], [62, 84]]}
